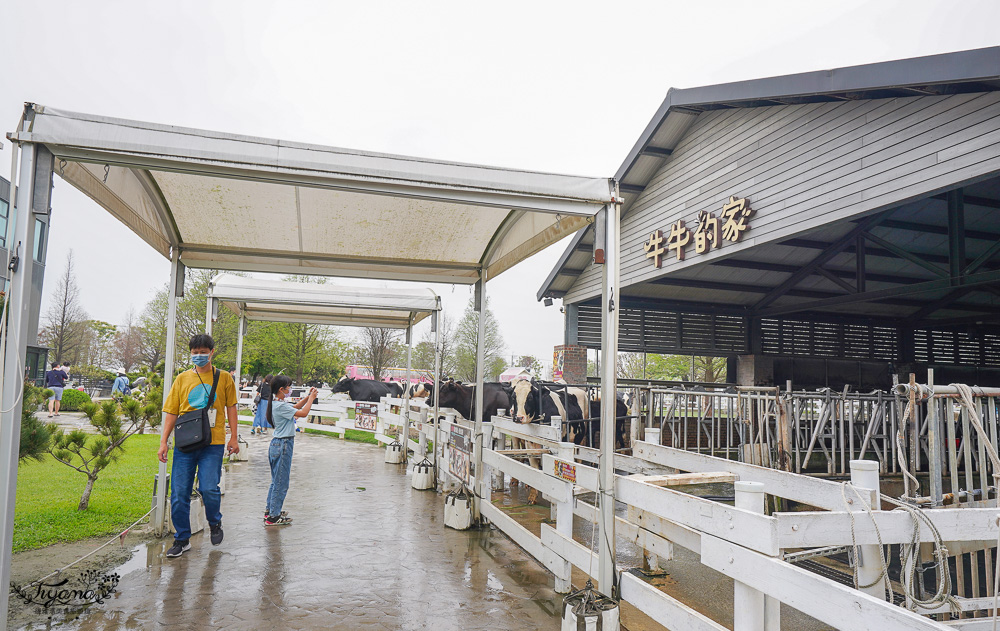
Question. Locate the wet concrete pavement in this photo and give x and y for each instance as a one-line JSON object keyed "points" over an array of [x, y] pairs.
{"points": [[365, 551]]}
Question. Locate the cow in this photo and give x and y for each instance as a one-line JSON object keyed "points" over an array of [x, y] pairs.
{"points": [[422, 391], [395, 388], [532, 402], [621, 423], [365, 389], [460, 397]]}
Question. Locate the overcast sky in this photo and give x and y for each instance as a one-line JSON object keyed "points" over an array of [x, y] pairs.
{"points": [[564, 87]]}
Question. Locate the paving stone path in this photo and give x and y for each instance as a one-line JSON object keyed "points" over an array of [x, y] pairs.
{"points": [[366, 551]]}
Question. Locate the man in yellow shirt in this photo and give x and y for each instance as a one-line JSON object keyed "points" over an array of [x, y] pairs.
{"points": [[190, 391]]}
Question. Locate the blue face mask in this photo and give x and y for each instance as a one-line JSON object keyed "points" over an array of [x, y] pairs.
{"points": [[200, 360]]}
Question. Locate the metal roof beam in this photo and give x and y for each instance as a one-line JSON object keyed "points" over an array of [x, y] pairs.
{"points": [[660, 152], [833, 250], [929, 228], [916, 259], [972, 200], [982, 278], [631, 188], [939, 304], [851, 289], [843, 274], [798, 293]]}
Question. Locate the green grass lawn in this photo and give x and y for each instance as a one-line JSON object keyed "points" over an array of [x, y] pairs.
{"points": [[48, 493]]}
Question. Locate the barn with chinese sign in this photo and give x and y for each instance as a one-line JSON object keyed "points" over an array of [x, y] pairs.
{"points": [[830, 227]]}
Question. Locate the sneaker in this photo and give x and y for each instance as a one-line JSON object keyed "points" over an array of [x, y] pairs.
{"points": [[284, 513], [179, 548], [280, 520], [216, 533]]}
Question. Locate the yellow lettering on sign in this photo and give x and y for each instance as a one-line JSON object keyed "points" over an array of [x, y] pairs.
{"points": [[680, 236], [706, 235], [654, 247], [736, 212]]}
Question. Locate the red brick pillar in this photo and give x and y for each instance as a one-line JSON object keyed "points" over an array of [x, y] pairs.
{"points": [[569, 363]]}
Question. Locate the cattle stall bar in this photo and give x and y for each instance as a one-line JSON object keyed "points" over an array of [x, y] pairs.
{"points": [[253, 299], [300, 209]]}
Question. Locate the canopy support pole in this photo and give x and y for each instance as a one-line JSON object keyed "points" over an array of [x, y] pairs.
{"points": [[159, 517], [609, 350], [478, 412], [405, 436], [239, 351], [15, 349], [436, 324], [208, 315]]}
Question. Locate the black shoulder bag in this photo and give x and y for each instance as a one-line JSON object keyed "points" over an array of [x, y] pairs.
{"points": [[193, 430]]}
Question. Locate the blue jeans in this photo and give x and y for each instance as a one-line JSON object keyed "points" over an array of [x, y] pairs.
{"points": [[280, 455], [260, 418], [208, 462]]}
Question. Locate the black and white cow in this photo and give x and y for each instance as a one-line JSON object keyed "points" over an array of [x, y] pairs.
{"points": [[366, 389], [461, 398], [421, 390], [531, 402]]}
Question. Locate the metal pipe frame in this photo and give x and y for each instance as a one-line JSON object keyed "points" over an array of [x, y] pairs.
{"points": [[478, 412], [15, 349], [611, 216], [159, 515]]}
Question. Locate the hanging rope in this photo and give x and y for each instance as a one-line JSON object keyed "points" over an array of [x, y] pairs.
{"points": [[883, 576], [965, 398], [901, 449], [909, 554]]}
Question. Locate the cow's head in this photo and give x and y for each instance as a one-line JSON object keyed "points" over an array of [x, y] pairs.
{"points": [[344, 385], [524, 401]]}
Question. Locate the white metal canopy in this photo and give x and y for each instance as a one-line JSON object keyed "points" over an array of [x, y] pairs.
{"points": [[237, 202], [231, 202], [283, 301]]}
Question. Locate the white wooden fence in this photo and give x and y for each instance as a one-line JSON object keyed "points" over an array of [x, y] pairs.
{"points": [[741, 541]]}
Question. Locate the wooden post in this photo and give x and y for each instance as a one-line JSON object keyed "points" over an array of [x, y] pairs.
{"points": [[785, 430], [864, 476]]}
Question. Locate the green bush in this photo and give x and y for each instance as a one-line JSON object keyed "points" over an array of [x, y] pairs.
{"points": [[73, 399]]}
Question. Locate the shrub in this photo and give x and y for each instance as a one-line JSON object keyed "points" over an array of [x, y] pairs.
{"points": [[35, 435], [73, 400]]}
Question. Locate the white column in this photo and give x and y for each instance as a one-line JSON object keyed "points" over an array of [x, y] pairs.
{"points": [[564, 524], [405, 434], [864, 476], [15, 350], [609, 351], [750, 605], [158, 518], [478, 412], [437, 324], [242, 331], [209, 314]]}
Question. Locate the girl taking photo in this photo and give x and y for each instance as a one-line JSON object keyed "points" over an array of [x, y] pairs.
{"points": [[281, 416]]}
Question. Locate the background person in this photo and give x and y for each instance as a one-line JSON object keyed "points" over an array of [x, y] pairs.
{"points": [[190, 391], [263, 395], [121, 386], [281, 415], [55, 380]]}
